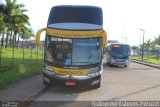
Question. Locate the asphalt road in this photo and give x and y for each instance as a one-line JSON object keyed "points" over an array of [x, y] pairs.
{"points": [[135, 83]]}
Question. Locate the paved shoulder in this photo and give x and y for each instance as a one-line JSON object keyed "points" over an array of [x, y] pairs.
{"points": [[21, 89]]}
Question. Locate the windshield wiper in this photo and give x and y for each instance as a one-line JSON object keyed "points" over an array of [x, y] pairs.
{"points": [[90, 63], [81, 62]]}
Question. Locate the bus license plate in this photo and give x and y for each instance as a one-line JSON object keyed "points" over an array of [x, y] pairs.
{"points": [[70, 83]]}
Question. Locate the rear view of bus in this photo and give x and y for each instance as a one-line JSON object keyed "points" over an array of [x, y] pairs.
{"points": [[73, 46]]}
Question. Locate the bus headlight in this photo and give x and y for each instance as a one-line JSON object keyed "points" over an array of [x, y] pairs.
{"points": [[112, 60], [48, 70], [126, 61], [94, 72]]}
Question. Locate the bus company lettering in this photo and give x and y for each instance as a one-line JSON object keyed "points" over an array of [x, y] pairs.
{"points": [[70, 71], [74, 34]]}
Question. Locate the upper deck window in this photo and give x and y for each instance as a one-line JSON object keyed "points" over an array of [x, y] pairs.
{"points": [[78, 14]]}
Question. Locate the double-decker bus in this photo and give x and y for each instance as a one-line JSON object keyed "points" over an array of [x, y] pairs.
{"points": [[73, 46], [118, 54]]}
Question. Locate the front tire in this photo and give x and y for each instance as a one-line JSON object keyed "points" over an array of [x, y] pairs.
{"points": [[46, 83], [97, 86]]}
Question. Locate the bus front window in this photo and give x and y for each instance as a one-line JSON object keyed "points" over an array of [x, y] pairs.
{"points": [[120, 50], [58, 50], [86, 51], [73, 52]]}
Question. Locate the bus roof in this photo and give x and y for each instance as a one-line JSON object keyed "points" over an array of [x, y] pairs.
{"points": [[76, 14]]}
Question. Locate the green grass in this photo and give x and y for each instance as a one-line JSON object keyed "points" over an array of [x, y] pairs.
{"points": [[148, 59], [11, 73]]}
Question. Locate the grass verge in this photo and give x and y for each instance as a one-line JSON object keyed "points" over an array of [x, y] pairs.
{"points": [[148, 59], [11, 73]]}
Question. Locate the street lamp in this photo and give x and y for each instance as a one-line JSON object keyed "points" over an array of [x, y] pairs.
{"points": [[143, 44]]}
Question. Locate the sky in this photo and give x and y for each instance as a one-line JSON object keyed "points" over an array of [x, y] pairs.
{"points": [[121, 18]]}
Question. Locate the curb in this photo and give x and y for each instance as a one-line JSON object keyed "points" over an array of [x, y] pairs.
{"points": [[29, 98], [143, 63]]}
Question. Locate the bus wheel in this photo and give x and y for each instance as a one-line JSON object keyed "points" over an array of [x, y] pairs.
{"points": [[125, 65], [110, 64], [46, 83], [96, 86]]}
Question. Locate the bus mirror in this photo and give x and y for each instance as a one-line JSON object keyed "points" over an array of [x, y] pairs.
{"points": [[108, 48], [104, 41], [38, 34]]}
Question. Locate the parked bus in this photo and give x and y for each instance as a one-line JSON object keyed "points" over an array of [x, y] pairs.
{"points": [[73, 46], [118, 54]]}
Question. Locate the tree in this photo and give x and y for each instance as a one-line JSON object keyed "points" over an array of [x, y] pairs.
{"points": [[153, 46], [20, 20], [15, 19], [157, 41], [8, 13], [26, 33], [135, 47], [2, 24], [147, 46]]}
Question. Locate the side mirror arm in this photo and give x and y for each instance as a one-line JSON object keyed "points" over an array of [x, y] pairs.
{"points": [[38, 35], [104, 39]]}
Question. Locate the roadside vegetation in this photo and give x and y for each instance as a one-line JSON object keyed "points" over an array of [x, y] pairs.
{"points": [[22, 67], [151, 51], [18, 59], [148, 59]]}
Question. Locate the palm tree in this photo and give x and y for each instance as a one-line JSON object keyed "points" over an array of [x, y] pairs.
{"points": [[1, 27], [1, 30], [2, 24], [157, 41], [26, 33], [8, 13], [20, 20], [14, 18]]}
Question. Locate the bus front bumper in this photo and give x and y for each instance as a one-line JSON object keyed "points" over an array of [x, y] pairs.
{"points": [[71, 80], [119, 63]]}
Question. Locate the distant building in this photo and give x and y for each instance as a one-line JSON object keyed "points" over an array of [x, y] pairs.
{"points": [[29, 44]]}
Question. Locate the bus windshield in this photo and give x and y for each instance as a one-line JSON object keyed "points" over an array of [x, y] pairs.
{"points": [[120, 50], [73, 52]]}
